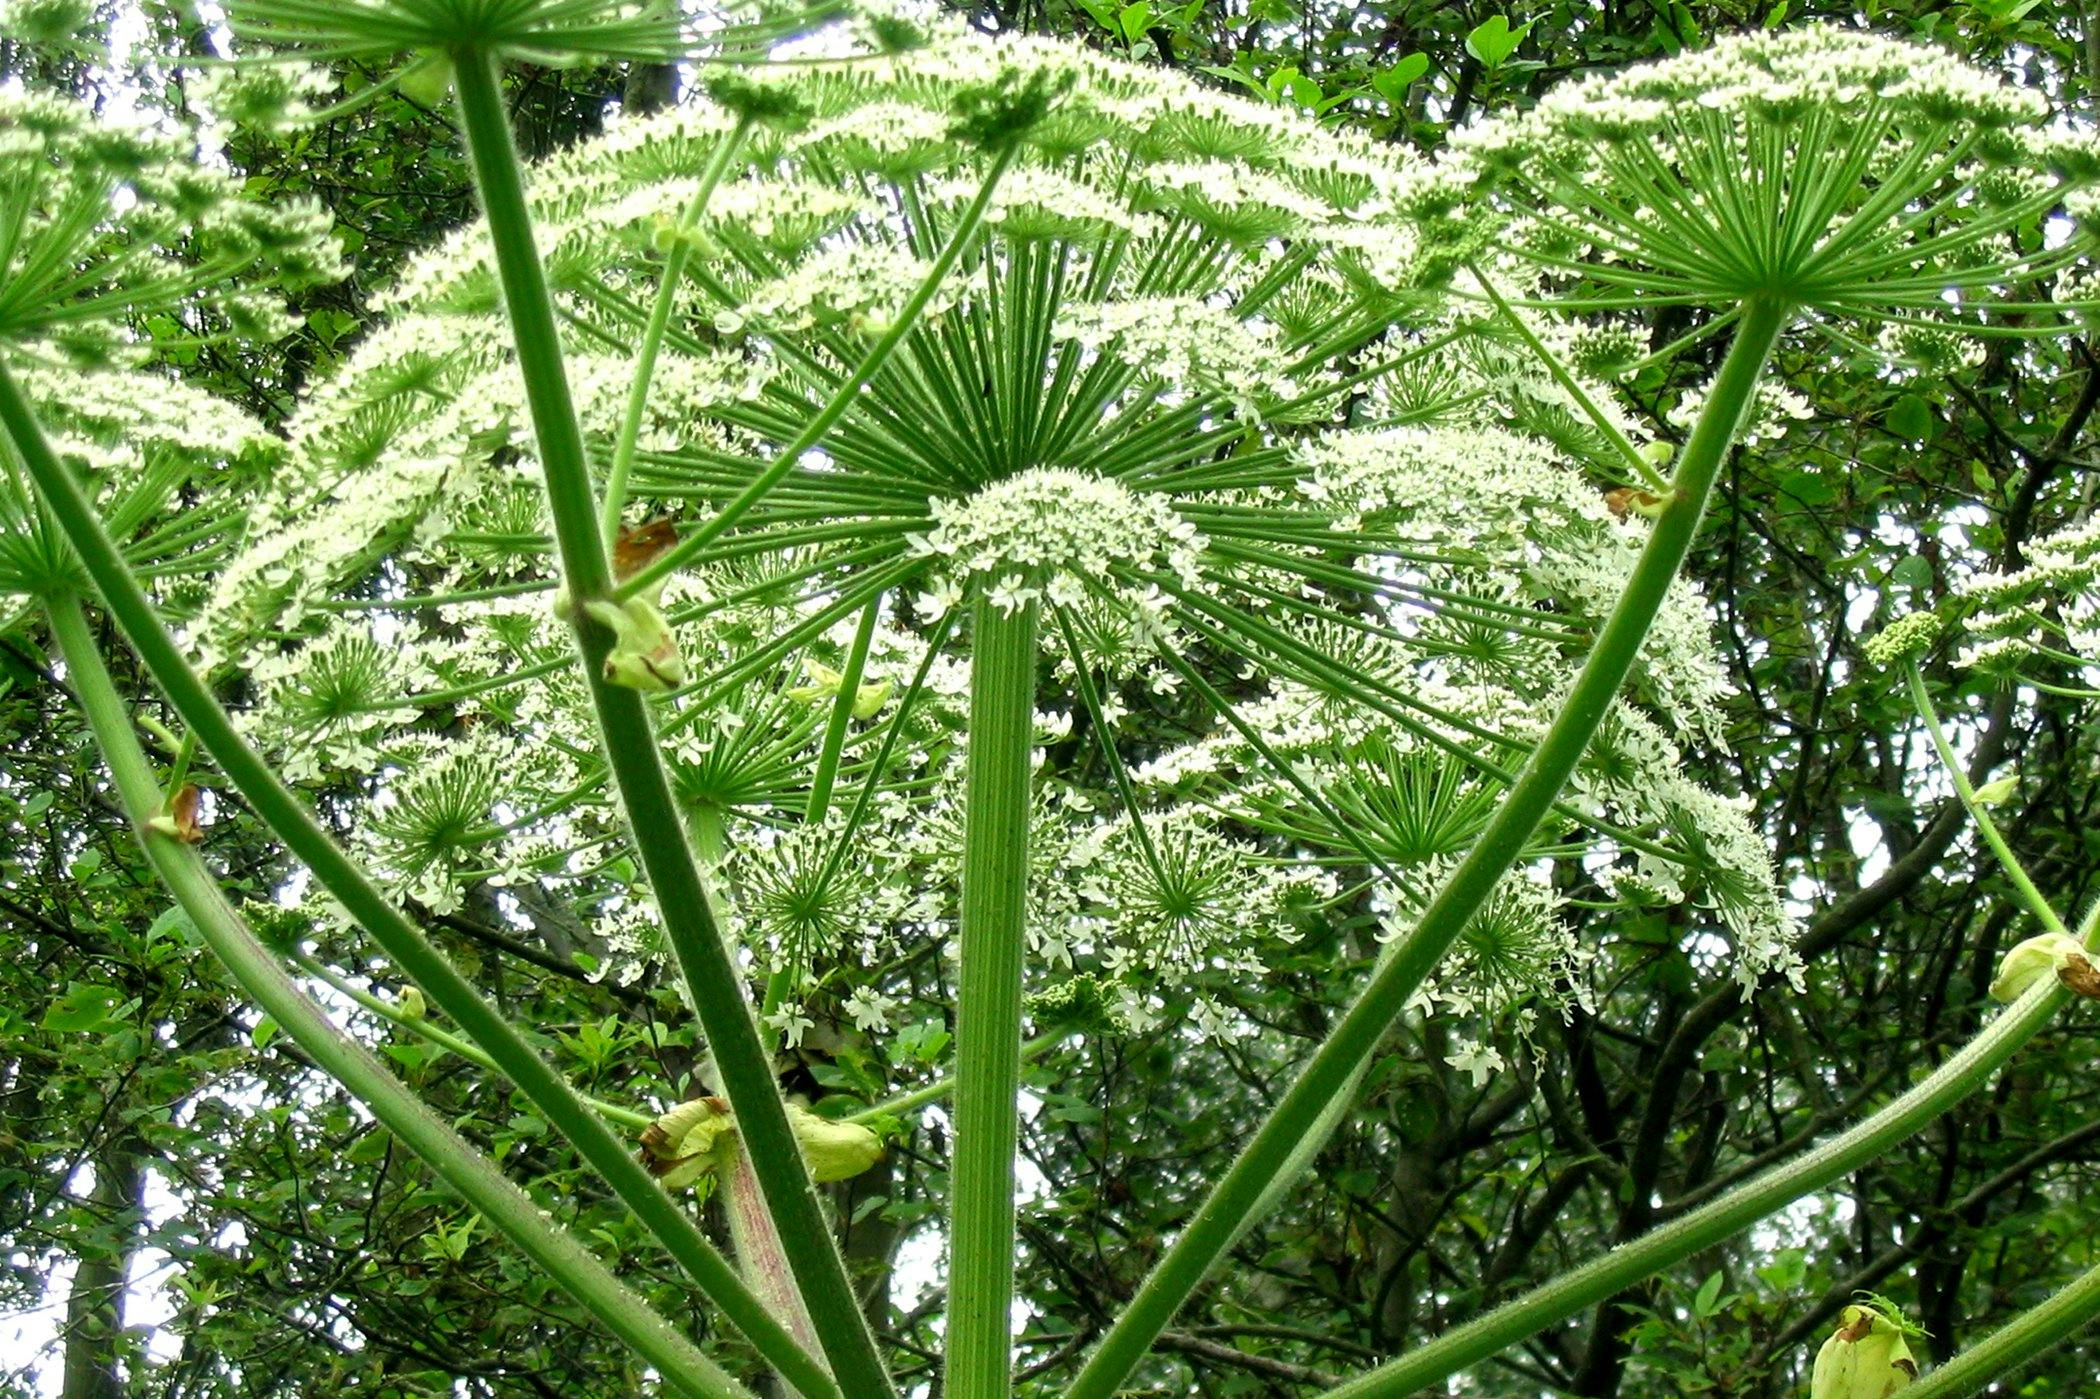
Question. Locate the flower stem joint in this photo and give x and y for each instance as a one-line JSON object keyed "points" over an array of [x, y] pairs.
{"points": [[698, 1139], [2047, 954]]}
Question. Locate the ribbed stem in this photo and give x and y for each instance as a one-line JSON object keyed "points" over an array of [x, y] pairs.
{"points": [[507, 1208], [294, 824], [988, 1008], [1231, 1205], [2005, 1351], [1614, 1272], [712, 978], [758, 1250]]}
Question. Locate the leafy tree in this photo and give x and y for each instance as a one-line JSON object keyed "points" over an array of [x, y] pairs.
{"points": [[1595, 1060]]}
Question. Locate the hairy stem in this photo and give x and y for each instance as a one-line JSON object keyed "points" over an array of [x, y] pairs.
{"points": [[293, 823], [470, 1173], [988, 1008], [712, 977], [1280, 1141], [1614, 1272], [2024, 1339]]}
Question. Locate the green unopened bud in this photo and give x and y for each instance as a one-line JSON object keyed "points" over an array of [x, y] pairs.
{"points": [[825, 682], [2049, 954], [869, 699], [1867, 1357], [834, 1150], [1994, 793], [644, 654], [1904, 639], [669, 233], [699, 1138]]}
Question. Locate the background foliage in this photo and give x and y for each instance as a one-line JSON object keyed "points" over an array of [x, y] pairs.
{"points": [[288, 1248]]}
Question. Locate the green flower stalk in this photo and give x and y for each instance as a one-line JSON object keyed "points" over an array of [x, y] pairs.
{"points": [[106, 221]]}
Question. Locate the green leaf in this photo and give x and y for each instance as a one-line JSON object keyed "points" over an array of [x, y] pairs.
{"points": [[1393, 83], [1709, 1299], [1911, 416], [1493, 41], [1133, 20], [84, 1006]]}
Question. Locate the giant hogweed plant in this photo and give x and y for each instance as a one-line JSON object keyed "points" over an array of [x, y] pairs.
{"points": [[811, 460]]}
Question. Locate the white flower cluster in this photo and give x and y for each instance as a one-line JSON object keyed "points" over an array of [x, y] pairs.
{"points": [[1056, 534], [1703, 176], [1123, 402], [109, 219], [1180, 341], [2046, 614]]}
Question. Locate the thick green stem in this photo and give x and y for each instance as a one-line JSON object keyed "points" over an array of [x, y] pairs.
{"points": [[1281, 1138], [1714, 1223], [293, 823], [758, 1250], [2005, 1351], [988, 1006], [711, 975], [467, 1171]]}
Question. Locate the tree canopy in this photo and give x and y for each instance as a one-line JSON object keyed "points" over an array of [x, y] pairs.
{"points": [[1280, 402]]}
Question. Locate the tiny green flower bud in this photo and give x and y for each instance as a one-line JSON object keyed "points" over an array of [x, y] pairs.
{"points": [[869, 699], [825, 682], [669, 233], [1904, 639], [1867, 1357], [2047, 954]]}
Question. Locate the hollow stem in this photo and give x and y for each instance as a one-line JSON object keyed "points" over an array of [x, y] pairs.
{"points": [[1731, 1214], [988, 1007], [712, 977], [1279, 1142], [294, 824], [470, 1173]]}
